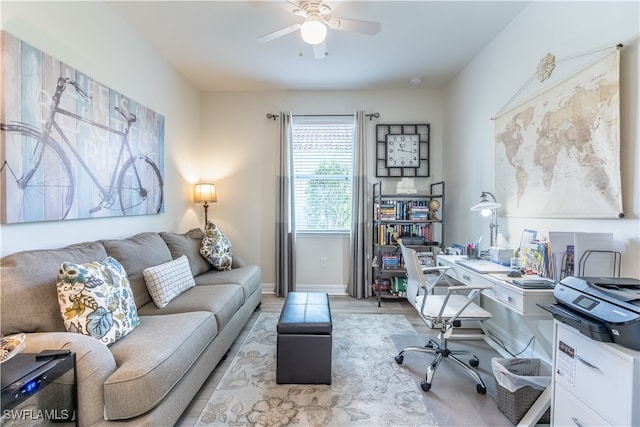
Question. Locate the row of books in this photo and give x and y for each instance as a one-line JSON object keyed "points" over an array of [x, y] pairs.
{"points": [[394, 261], [386, 233], [394, 285], [403, 210]]}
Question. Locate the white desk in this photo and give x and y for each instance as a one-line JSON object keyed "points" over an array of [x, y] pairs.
{"points": [[521, 301]]}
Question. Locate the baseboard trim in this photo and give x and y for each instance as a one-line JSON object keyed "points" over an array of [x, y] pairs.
{"points": [[330, 289], [269, 289]]}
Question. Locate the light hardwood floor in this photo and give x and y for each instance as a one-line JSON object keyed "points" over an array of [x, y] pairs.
{"points": [[339, 304]]}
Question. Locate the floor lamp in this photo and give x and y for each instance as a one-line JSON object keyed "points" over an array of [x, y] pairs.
{"points": [[205, 193], [488, 208]]}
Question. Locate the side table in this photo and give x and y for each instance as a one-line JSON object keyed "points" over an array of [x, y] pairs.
{"points": [[39, 391]]}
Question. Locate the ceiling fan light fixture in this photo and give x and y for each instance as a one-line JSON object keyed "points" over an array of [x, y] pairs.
{"points": [[313, 30]]}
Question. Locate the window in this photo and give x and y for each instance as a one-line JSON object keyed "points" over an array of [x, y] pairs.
{"points": [[323, 170]]}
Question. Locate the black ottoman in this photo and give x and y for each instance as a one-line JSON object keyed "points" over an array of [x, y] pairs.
{"points": [[304, 339]]}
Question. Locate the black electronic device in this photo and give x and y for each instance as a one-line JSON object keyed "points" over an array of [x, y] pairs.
{"points": [[613, 303], [48, 383]]}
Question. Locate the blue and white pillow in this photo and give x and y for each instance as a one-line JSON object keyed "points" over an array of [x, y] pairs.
{"points": [[96, 299]]}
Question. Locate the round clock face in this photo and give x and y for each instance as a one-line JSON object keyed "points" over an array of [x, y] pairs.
{"points": [[403, 151]]}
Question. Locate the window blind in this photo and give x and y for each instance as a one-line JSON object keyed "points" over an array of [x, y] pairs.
{"points": [[322, 172]]}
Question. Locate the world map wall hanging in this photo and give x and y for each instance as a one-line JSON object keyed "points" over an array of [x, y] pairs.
{"points": [[70, 147], [558, 154]]}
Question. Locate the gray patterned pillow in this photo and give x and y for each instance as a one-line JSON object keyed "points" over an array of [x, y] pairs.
{"points": [[167, 281], [216, 248]]}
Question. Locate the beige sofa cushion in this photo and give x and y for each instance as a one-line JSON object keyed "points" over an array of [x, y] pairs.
{"points": [[188, 244], [221, 300], [135, 254], [28, 290], [152, 359], [249, 277]]}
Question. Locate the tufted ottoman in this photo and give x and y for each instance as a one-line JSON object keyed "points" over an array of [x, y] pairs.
{"points": [[304, 339]]}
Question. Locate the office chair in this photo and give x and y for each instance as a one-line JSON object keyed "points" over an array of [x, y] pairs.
{"points": [[447, 311]]}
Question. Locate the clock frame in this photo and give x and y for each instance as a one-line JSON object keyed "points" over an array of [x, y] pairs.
{"points": [[393, 163]]}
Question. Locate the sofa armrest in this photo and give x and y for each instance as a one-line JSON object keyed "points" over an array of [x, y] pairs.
{"points": [[94, 364]]}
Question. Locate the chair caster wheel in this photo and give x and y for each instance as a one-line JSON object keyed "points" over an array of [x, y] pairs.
{"points": [[399, 359], [425, 386], [481, 389], [474, 363]]}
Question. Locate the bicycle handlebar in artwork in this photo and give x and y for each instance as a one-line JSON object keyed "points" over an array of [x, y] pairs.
{"points": [[68, 154]]}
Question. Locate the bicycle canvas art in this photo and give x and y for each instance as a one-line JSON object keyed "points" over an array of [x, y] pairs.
{"points": [[71, 147]]}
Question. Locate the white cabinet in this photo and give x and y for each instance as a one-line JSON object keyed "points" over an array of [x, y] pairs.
{"points": [[594, 383]]}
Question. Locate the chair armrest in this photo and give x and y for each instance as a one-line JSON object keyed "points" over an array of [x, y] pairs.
{"points": [[468, 287], [437, 268], [476, 291]]}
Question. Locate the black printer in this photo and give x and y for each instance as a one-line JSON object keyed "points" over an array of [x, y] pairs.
{"points": [[602, 308]]}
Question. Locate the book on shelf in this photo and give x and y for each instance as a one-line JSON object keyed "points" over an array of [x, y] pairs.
{"points": [[390, 261], [386, 233]]}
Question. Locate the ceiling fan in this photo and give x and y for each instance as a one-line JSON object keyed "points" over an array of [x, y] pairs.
{"points": [[316, 21]]}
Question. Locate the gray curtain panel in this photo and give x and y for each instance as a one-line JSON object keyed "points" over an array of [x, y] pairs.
{"points": [[358, 285], [285, 215]]}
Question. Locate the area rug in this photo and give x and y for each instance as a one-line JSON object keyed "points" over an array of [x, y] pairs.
{"points": [[368, 388]]}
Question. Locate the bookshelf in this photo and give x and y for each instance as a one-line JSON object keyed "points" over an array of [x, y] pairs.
{"points": [[417, 219]]}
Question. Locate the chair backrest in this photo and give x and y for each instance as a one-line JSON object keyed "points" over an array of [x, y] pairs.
{"points": [[415, 277], [448, 307]]}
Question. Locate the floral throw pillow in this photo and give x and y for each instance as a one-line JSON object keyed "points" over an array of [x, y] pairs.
{"points": [[216, 248], [96, 299]]}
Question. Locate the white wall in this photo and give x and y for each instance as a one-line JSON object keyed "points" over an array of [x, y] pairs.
{"points": [[486, 85], [240, 149], [496, 74], [90, 37]]}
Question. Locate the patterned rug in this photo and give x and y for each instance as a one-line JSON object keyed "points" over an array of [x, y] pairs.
{"points": [[368, 388]]}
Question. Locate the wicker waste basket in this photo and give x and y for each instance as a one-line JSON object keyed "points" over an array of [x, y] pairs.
{"points": [[519, 382]]}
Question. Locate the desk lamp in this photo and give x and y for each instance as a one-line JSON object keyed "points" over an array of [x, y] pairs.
{"points": [[488, 208], [205, 193]]}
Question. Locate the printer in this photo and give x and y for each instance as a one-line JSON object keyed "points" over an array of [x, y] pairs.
{"points": [[602, 308]]}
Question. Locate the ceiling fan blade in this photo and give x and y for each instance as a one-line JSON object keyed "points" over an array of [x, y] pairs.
{"points": [[362, 27], [279, 33], [292, 6], [320, 50], [333, 4]]}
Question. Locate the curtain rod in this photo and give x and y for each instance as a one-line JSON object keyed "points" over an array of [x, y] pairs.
{"points": [[275, 116]]}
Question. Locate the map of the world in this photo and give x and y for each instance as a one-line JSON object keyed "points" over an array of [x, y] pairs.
{"points": [[558, 154]]}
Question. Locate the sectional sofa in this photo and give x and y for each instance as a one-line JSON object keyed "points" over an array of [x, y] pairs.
{"points": [[150, 375]]}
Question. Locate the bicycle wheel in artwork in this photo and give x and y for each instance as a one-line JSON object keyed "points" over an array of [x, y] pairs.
{"points": [[71, 147]]}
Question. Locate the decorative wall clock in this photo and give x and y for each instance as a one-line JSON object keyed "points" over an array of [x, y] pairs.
{"points": [[402, 150]]}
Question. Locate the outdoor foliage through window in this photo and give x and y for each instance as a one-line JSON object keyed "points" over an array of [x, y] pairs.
{"points": [[323, 169]]}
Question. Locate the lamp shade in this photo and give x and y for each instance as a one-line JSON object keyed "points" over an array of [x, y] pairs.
{"points": [[204, 193], [485, 204], [313, 30]]}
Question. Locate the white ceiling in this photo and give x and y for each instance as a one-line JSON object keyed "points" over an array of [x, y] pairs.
{"points": [[213, 43]]}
